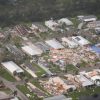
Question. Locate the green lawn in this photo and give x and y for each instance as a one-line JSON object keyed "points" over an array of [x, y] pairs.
{"points": [[75, 21], [71, 68], [55, 68], [6, 75], [84, 92], [25, 90], [39, 71]]}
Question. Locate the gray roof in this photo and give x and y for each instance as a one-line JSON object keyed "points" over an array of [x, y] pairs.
{"points": [[90, 16], [60, 97], [42, 46]]}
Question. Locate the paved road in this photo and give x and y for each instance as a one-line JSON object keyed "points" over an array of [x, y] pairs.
{"points": [[12, 86]]}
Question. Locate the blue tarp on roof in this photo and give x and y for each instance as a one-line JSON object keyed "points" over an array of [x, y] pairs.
{"points": [[96, 49]]}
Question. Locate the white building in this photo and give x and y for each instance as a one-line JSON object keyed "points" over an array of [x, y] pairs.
{"points": [[32, 50], [84, 81], [65, 21], [69, 42], [80, 40], [88, 18], [54, 44], [12, 67], [52, 25]]}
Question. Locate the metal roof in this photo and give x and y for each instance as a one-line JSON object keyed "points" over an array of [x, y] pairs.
{"points": [[12, 67], [54, 44]]}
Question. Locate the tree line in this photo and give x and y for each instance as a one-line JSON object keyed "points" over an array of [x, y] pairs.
{"points": [[16, 11]]}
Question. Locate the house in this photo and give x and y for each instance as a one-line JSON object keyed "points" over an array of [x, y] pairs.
{"points": [[31, 49], [80, 40], [54, 44], [12, 67], [15, 51], [35, 28], [52, 25], [97, 30], [22, 30], [65, 21], [88, 18], [93, 76], [83, 81], [39, 27], [93, 24], [97, 23], [42, 46], [69, 42], [58, 97]]}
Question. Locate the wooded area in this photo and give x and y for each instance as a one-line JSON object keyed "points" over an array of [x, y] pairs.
{"points": [[15, 11]]}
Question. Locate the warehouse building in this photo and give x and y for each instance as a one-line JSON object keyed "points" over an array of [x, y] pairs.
{"points": [[12, 67]]}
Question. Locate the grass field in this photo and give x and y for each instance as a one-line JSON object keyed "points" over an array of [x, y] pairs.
{"points": [[84, 92], [6, 75], [25, 90], [39, 71]]}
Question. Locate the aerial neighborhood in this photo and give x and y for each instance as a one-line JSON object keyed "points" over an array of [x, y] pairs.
{"points": [[58, 59]]}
